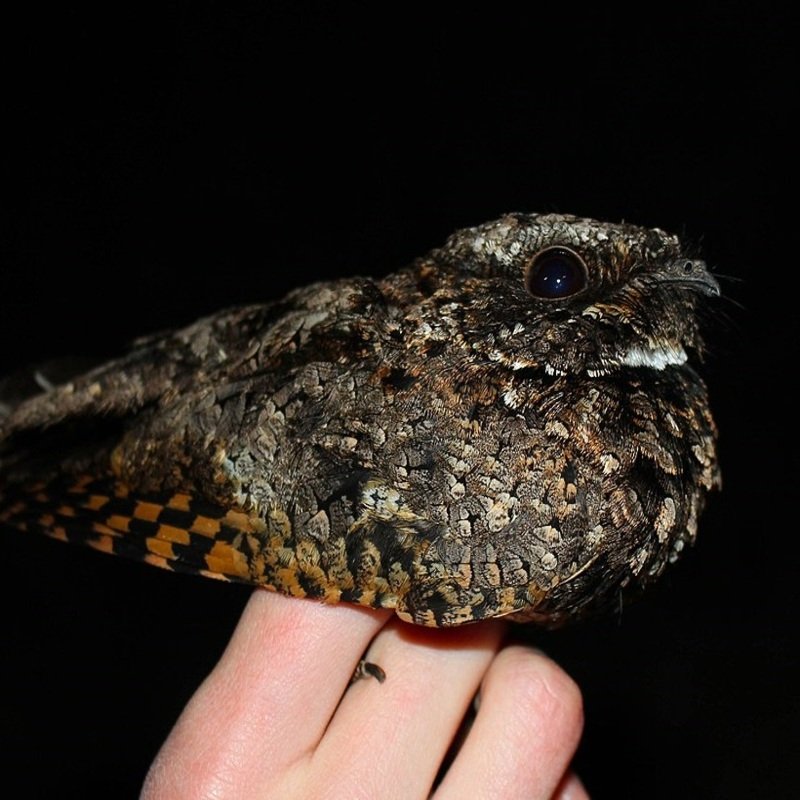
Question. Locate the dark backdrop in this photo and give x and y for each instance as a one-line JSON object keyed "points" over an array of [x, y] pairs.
{"points": [[170, 160]]}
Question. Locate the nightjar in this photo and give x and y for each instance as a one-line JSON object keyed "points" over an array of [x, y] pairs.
{"points": [[510, 426]]}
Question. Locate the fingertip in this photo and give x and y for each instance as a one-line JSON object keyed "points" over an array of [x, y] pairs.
{"points": [[571, 788], [525, 732], [539, 685]]}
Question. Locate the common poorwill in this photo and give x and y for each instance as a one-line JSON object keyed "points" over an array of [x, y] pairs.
{"points": [[509, 426]]}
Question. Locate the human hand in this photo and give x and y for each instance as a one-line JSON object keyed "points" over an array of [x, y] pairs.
{"points": [[276, 719]]}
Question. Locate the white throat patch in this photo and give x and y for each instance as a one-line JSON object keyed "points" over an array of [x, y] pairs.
{"points": [[654, 357]]}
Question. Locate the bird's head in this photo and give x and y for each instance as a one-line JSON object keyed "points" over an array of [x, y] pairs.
{"points": [[562, 295]]}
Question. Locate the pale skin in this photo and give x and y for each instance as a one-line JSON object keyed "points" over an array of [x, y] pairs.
{"points": [[277, 719]]}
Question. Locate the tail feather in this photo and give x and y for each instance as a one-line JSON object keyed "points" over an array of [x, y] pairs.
{"points": [[172, 531]]}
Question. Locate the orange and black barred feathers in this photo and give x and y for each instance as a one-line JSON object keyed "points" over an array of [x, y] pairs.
{"points": [[172, 531]]}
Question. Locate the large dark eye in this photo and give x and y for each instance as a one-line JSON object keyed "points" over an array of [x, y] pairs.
{"points": [[554, 273]]}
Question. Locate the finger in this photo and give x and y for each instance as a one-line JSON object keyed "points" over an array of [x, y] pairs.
{"points": [[267, 702], [526, 730], [389, 739], [571, 788]]}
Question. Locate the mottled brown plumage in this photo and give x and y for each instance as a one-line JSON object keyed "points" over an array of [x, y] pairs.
{"points": [[510, 426]]}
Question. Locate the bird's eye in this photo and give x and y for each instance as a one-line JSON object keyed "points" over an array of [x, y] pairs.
{"points": [[555, 273]]}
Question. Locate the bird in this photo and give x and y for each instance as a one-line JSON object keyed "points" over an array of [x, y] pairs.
{"points": [[513, 425]]}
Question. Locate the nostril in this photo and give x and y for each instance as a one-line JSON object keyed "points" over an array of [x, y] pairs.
{"points": [[688, 267]]}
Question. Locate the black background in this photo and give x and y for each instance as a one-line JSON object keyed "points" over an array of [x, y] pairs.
{"points": [[168, 161]]}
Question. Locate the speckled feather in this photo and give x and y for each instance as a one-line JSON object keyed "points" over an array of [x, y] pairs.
{"points": [[442, 441]]}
